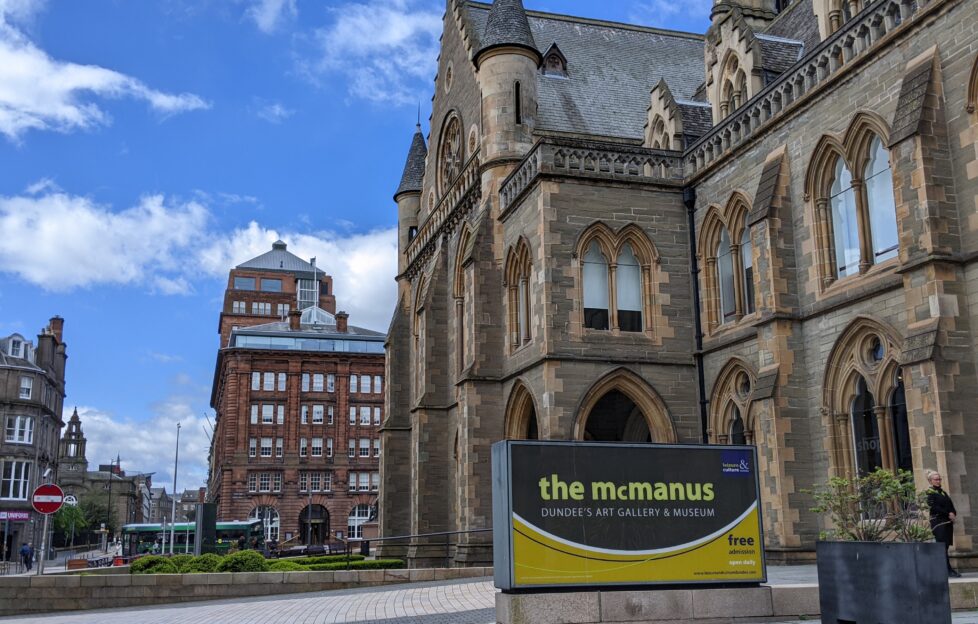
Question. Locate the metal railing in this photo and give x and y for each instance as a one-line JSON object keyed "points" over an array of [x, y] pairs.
{"points": [[365, 544]]}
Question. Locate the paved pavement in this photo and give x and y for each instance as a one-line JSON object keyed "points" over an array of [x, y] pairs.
{"points": [[445, 602]]}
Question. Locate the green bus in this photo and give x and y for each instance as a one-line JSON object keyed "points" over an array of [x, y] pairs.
{"points": [[141, 539]]}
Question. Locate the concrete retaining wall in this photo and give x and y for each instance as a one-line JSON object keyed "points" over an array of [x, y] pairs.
{"points": [[21, 595], [683, 606]]}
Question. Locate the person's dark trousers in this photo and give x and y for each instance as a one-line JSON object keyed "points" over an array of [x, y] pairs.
{"points": [[951, 572]]}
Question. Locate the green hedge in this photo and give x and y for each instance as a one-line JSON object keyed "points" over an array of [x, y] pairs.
{"points": [[243, 561], [373, 564], [181, 561], [326, 559], [153, 564], [207, 562], [287, 566]]}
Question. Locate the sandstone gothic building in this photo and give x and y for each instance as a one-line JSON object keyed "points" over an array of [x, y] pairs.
{"points": [[762, 235]]}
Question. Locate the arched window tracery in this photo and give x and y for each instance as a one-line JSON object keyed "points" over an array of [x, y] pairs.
{"points": [[617, 278], [850, 183], [864, 403], [728, 291], [518, 272]]}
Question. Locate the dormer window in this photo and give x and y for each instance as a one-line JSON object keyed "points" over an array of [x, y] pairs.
{"points": [[16, 348], [554, 62]]}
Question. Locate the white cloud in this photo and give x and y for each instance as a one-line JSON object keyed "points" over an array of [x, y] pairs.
{"points": [[100, 246], [363, 266], [274, 112], [164, 358], [147, 445], [386, 50], [167, 247], [268, 15], [663, 12], [44, 185], [38, 92]]}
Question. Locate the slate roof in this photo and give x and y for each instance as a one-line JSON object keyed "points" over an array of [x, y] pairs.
{"points": [[797, 22], [778, 55], [611, 68], [14, 362], [697, 118], [278, 259], [413, 176], [506, 25]]}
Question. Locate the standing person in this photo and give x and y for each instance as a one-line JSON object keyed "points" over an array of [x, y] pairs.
{"points": [[942, 516], [241, 542], [26, 557]]}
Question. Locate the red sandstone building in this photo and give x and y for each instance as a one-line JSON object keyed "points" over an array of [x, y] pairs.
{"points": [[299, 396]]}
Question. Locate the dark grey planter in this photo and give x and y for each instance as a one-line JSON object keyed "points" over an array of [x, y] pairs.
{"points": [[882, 583]]}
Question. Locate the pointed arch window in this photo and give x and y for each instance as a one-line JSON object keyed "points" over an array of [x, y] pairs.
{"points": [[903, 458], [845, 226], [738, 434], [628, 283], [747, 270], [865, 430], [880, 202], [728, 255], [851, 182], [595, 288], [725, 274], [518, 271]]}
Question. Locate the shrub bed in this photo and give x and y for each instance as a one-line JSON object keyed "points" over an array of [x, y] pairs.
{"points": [[326, 559], [153, 564], [287, 566], [181, 561], [373, 564], [207, 562], [243, 561]]}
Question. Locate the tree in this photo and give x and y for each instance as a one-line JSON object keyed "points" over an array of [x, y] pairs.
{"points": [[70, 520], [95, 507]]}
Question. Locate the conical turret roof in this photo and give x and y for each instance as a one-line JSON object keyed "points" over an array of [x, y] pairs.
{"points": [[413, 176], [507, 26]]}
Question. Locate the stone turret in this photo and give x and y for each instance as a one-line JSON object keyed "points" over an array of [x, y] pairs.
{"points": [[408, 196], [757, 12], [71, 455], [507, 62]]}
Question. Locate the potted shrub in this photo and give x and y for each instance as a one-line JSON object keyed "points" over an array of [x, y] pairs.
{"points": [[878, 563]]}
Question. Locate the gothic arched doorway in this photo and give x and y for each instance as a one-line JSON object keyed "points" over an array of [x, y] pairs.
{"points": [[314, 524], [616, 418], [521, 415], [622, 407]]}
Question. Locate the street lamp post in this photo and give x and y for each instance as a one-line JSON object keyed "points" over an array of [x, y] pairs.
{"points": [[173, 497], [108, 509]]}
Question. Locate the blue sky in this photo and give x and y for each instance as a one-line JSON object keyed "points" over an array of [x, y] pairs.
{"points": [[148, 147]]}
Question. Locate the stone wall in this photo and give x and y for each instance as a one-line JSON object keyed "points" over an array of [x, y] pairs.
{"points": [[21, 595]]}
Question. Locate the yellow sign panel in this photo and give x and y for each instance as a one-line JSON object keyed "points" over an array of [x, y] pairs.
{"points": [[573, 514]]}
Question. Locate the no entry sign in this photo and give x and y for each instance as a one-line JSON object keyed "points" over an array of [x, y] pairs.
{"points": [[47, 498]]}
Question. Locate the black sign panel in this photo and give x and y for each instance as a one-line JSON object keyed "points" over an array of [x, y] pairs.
{"points": [[586, 513]]}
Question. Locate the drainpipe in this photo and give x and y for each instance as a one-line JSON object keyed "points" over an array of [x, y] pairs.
{"points": [[689, 200]]}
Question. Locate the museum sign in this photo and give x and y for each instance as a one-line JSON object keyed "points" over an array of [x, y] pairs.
{"points": [[579, 513]]}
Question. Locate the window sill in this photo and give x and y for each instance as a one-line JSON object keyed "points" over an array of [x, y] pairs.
{"points": [[589, 332], [847, 282]]}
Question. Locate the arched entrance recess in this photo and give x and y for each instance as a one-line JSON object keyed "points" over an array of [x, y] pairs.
{"points": [[622, 407], [313, 524], [521, 415], [863, 401], [731, 419]]}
